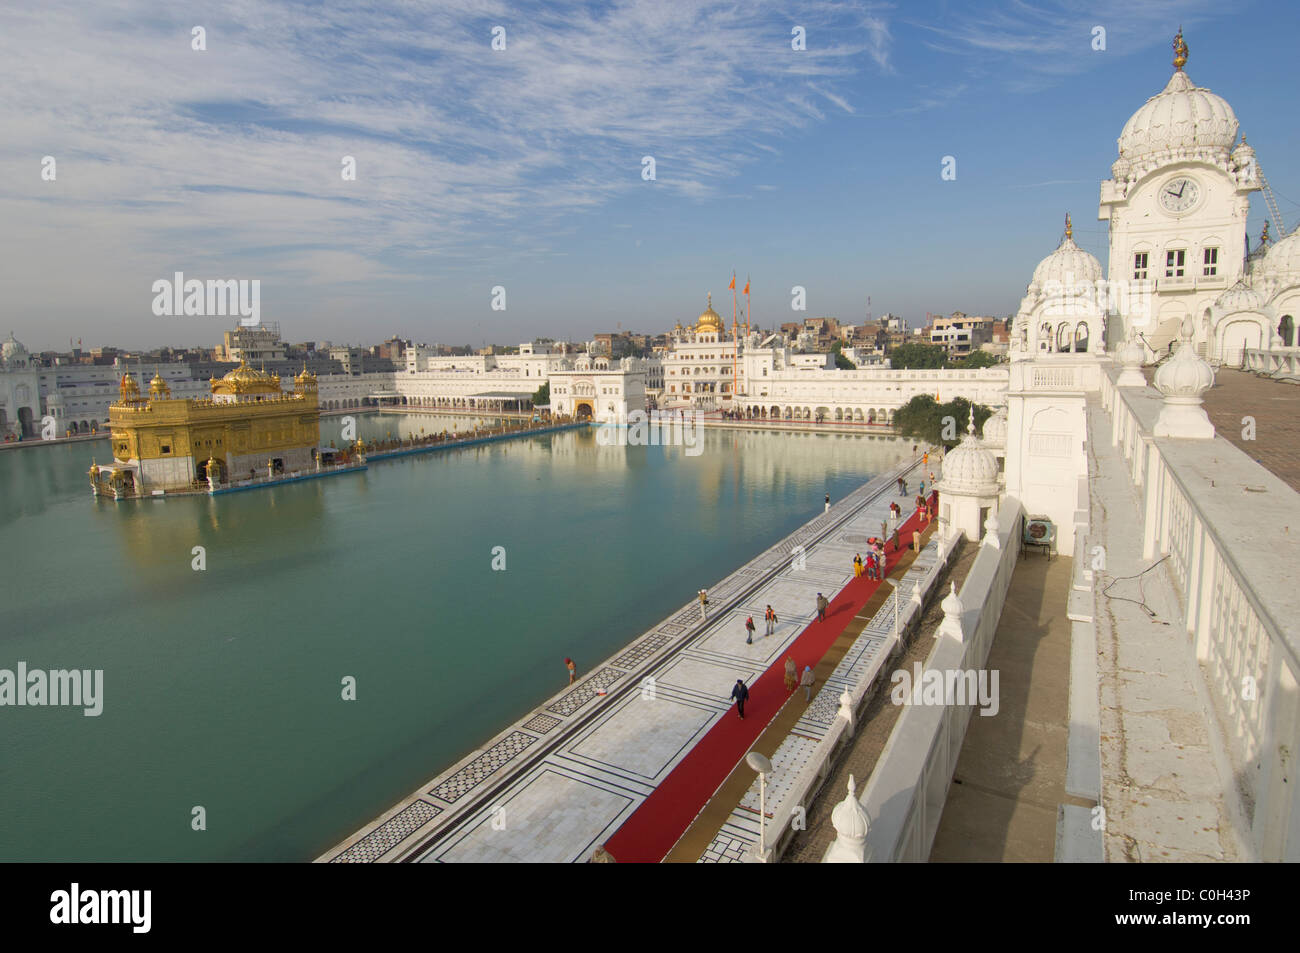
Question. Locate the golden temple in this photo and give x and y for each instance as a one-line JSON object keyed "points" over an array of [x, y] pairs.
{"points": [[248, 428]]}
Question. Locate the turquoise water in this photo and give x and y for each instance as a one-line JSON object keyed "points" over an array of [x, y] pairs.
{"points": [[222, 688]]}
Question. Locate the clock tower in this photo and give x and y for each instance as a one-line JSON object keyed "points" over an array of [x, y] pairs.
{"points": [[1177, 203]]}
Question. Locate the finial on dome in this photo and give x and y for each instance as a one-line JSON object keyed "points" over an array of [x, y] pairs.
{"points": [[1263, 236], [1069, 229], [1180, 50], [970, 427]]}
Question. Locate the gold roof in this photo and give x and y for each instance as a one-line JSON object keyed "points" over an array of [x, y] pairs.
{"points": [[710, 320], [158, 386], [246, 380]]}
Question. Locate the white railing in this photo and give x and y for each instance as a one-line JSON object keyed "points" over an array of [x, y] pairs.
{"points": [[905, 796], [1230, 558], [1281, 362]]}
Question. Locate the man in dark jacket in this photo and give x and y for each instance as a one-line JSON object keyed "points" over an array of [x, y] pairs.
{"points": [[740, 693], [822, 605]]}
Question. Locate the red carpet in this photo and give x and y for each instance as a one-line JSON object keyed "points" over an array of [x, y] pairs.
{"points": [[654, 827]]}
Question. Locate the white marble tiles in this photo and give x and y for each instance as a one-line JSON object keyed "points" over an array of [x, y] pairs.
{"points": [[550, 816]]}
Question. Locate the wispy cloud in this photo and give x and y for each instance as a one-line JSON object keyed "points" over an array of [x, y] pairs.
{"points": [[229, 159], [1050, 40]]}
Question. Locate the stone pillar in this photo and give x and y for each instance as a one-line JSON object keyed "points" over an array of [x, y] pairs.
{"points": [[1131, 356], [952, 611], [991, 530], [1183, 379], [846, 710]]}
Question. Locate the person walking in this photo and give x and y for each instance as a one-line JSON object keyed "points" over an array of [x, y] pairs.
{"points": [[807, 682], [904, 488], [573, 670], [857, 566], [749, 631], [791, 674], [770, 616], [901, 491], [822, 606], [828, 504], [923, 488], [740, 693]]}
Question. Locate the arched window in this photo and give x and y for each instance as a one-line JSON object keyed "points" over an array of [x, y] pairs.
{"points": [[1286, 330]]}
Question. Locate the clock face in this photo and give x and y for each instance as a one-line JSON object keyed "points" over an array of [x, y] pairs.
{"points": [[1179, 194]]}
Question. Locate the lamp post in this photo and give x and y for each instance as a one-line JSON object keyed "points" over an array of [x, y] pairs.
{"points": [[763, 766]]}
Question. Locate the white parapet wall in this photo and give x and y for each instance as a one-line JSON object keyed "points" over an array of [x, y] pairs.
{"points": [[1229, 529], [907, 790]]}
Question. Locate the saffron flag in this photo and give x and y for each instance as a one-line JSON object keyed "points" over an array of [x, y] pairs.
{"points": [[746, 291], [732, 286]]}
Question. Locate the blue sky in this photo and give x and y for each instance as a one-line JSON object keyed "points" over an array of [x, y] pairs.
{"points": [[522, 167]]}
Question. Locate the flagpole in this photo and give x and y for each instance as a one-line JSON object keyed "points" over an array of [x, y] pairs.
{"points": [[735, 341], [747, 322]]}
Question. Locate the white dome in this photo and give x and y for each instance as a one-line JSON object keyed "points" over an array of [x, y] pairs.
{"points": [[12, 347], [995, 430], [1180, 117], [970, 469], [1243, 155], [848, 817], [1066, 267], [1283, 259], [1240, 297]]}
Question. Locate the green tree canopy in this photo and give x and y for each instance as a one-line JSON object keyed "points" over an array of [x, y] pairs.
{"points": [[924, 419], [977, 359], [543, 396], [921, 356], [842, 362]]}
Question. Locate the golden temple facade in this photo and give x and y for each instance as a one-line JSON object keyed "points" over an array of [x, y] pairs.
{"points": [[249, 428]]}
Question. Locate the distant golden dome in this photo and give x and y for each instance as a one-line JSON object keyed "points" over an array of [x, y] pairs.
{"points": [[159, 387], [128, 386], [710, 320]]}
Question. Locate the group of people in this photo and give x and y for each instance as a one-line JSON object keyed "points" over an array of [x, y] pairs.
{"points": [[769, 617], [872, 565], [793, 680]]}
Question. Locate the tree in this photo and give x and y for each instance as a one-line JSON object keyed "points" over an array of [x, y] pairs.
{"points": [[543, 396], [924, 418], [978, 359], [921, 356], [842, 362]]}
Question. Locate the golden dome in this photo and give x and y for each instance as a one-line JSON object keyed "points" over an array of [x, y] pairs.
{"points": [[710, 320], [159, 387], [246, 380], [128, 386]]}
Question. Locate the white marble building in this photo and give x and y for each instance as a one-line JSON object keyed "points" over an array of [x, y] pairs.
{"points": [[598, 388], [1177, 203]]}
